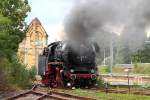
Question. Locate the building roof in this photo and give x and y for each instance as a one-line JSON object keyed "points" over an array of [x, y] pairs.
{"points": [[36, 22]]}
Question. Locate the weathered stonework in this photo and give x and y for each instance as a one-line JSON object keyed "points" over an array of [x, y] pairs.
{"points": [[33, 44]]}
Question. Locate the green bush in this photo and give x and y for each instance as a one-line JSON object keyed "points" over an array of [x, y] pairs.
{"points": [[100, 83], [15, 75], [4, 65], [20, 76], [32, 73]]}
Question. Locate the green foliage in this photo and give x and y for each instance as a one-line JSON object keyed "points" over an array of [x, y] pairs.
{"points": [[12, 25], [15, 75], [20, 76], [142, 55], [4, 67], [100, 83], [104, 69], [123, 55], [32, 72], [12, 32]]}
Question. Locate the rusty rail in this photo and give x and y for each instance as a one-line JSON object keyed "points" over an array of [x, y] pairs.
{"points": [[71, 96], [138, 92], [42, 95], [64, 95]]}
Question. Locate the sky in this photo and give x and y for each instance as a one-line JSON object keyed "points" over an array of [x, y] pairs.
{"points": [[51, 13]]}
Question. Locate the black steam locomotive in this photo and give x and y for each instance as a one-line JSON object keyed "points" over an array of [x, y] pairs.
{"points": [[69, 63]]}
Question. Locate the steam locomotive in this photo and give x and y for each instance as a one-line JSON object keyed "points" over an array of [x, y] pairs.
{"points": [[69, 63]]}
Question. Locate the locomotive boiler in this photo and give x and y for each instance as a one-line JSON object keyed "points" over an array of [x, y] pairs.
{"points": [[70, 63]]}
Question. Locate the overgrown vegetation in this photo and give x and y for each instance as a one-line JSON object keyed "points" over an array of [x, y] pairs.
{"points": [[4, 83], [143, 54], [141, 69], [103, 96], [138, 68], [100, 83], [104, 69], [12, 32], [20, 76], [15, 75]]}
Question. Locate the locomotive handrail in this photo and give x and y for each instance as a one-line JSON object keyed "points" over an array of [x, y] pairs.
{"points": [[57, 63]]}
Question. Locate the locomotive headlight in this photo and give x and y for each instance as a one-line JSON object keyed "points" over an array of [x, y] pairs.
{"points": [[92, 71], [68, 84], [72, 71]]}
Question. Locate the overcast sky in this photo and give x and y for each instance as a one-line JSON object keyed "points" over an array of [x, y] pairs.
{"points": [[51, 13]]}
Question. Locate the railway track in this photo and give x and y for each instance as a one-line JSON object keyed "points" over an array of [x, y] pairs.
{"points": [[137, 92], [32, 95], [42, 93], [39, 93]]}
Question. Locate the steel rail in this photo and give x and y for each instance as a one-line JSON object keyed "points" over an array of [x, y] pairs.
{"points": [[51, 95], [71, 96], [41, 96]]}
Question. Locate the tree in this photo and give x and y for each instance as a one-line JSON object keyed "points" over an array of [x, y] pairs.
{"points": [[142, 55], [3, 30], [12, 25], [12, 32]]}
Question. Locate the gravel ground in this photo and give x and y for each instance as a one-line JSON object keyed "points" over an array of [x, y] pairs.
{"points": [[29, 97], [6, 94]]}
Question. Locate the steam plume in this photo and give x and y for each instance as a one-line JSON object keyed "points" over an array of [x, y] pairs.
{"points": [[100, 19]]}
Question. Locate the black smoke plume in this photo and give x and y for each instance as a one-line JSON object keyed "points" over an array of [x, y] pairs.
{"points": [[101, 20]]}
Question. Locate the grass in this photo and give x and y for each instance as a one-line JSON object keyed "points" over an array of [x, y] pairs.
{"points": [[139, 68], [103, 96], [103, 69]]}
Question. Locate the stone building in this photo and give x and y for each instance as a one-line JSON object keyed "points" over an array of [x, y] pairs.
{"points": [[33, 44]]}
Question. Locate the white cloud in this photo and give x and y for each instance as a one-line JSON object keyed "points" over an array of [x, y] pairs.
{"points": [[55, 32]]}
